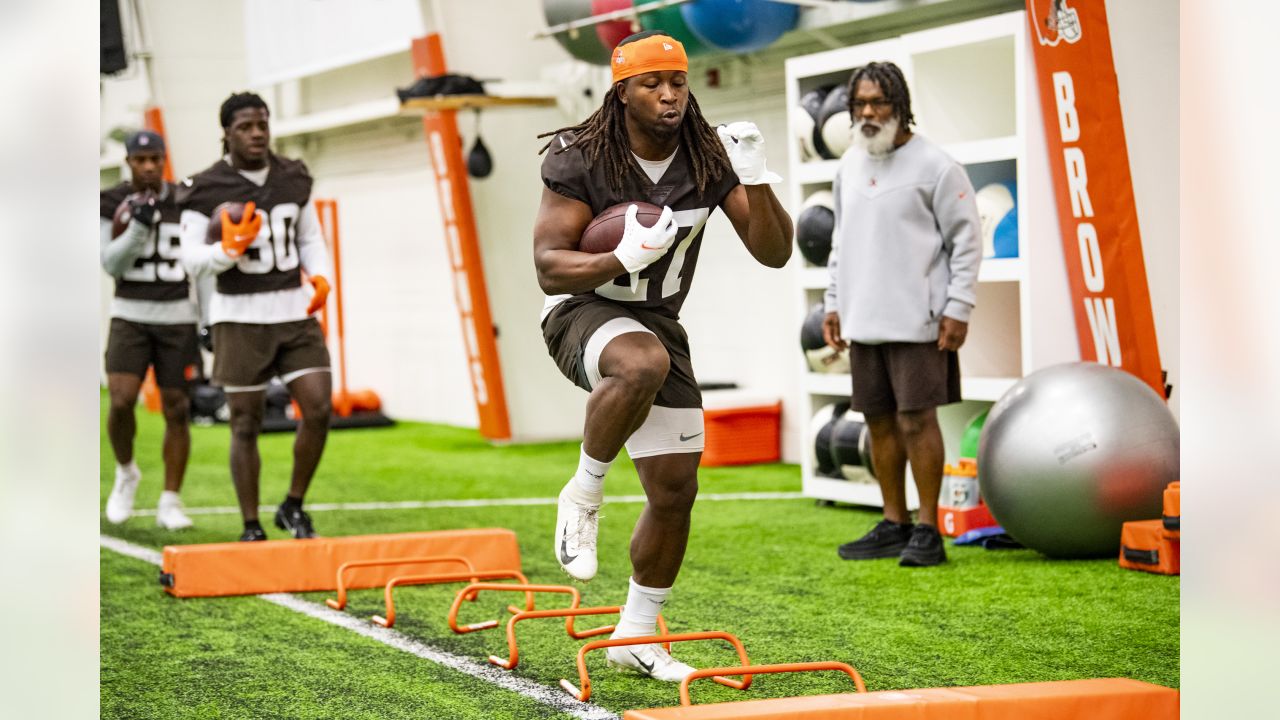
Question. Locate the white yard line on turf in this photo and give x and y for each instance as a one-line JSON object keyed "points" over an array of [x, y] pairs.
{"points": [[553, 697], [485, 502]]}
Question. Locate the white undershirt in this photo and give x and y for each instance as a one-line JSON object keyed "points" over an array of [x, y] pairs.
{"points": [[655, 169]]}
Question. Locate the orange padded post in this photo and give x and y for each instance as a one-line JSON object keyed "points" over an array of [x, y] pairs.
{"points": [[585, 693], [1103, 699], [766, 669], [236, 568]]}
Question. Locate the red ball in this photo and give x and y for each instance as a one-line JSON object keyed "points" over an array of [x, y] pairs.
{"points": [[605, 231], [235, 211], [120, 221]]}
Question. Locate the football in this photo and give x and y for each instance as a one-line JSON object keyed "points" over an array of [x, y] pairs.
{"points": [[120, 221], [235, 210], [605, 231]]}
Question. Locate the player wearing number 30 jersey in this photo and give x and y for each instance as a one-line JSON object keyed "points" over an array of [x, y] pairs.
{"points": [[260, 310], [611, 320]]}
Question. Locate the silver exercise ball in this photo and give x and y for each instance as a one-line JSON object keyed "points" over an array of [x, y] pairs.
{"points": [[1071, 452]]}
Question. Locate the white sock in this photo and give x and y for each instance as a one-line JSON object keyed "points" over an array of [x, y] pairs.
{"points": [[129, 471], [640, 614], [169, 497], [587, 485]]}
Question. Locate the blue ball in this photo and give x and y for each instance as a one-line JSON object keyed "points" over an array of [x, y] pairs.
{"points": [[1005, 241], [739, 25]]}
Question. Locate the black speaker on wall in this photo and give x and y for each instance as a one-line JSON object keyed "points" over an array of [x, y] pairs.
{"points": [[112, 58]]}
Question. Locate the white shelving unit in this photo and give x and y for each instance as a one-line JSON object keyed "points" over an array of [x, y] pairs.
{"points": [[969, 84]]}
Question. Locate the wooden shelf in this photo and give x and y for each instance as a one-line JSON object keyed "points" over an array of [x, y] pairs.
{"points": [[466, 102]]}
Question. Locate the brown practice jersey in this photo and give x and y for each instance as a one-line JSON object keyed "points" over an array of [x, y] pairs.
{"points": [[271, 263], [157, 274], [663, 286]]}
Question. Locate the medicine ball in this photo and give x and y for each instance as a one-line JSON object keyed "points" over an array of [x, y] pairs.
{"points": [[820, 431], [850, 441], [834, 122], [812, 104]]}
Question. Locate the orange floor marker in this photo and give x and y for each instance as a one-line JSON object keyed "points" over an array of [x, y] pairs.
{"points": [[766, 669], [389, 619], [1103, 699], [472, 591], [340, 602], [513, 652], [585, 693]]}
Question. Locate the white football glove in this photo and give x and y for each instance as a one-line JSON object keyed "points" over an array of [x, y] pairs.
{"points": [[641, 246], [745, 145]]}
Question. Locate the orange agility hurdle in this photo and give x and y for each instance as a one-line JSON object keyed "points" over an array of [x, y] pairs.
{"points": [[340, 602], [585, 693], [389, 619], [513, 652], [1101, 699], [238, 568], [766, 669], [472, 591]]}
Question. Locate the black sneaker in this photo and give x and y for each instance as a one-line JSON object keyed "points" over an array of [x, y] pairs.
{"points": [[925, 548], [253, 534], [886, 540], [297, 522]]}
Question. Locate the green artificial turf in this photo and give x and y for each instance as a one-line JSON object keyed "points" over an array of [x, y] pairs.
{"points": [[765, 571]]}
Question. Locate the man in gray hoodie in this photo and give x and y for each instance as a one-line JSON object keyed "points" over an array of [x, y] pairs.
{"points": [[904, 272]]}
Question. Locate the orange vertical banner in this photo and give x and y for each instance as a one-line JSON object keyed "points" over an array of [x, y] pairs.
{"points": [[153, 119], [1089, 161], [441, 128]]}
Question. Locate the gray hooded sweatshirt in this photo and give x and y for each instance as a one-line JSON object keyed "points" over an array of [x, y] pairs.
{"points": [[907, 244]]}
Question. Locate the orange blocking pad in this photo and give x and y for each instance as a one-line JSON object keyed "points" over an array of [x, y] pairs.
{"points": [[1109, 699], [1146, 545], [252, 568]]}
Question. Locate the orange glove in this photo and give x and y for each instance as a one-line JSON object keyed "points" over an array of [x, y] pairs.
{"points": [[322, 293], [237, 237]]}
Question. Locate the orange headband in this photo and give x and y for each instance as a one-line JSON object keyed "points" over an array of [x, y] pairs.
{"points": [[656, 52]]}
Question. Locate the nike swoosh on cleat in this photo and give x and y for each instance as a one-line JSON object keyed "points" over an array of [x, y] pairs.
{"points": [[565, 557], [684, 438], [648, 667]]}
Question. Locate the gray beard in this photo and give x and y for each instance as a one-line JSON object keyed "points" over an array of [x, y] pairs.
{"points": [[881, 143]]}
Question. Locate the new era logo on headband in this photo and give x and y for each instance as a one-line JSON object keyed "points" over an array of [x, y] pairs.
{"points": [[665, 46]]}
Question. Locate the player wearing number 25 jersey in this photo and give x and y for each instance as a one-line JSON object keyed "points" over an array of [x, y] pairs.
{"points": [[260, 309], [611, 320], [153, 324]]}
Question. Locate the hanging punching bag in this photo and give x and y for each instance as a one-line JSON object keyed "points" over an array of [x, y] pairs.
{"points": [[479, 161]]}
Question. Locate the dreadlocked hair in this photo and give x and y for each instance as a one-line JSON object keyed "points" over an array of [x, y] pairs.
{"points": [[603, 137], [892, 83]]}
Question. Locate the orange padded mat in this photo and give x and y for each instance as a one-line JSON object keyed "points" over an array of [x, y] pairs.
{"points": [[1110, 699], [251, 568]]}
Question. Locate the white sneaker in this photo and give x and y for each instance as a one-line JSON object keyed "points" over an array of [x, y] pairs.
{"points": [[120, 502], [575, 537], [651, 660], [169, 514]]}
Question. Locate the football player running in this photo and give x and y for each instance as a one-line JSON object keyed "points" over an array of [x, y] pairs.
{"points": [[153, 324], [260, 309], [611, 320]]}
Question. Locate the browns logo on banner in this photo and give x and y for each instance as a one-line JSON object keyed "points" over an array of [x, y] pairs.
{"points": [[1090, 165]]}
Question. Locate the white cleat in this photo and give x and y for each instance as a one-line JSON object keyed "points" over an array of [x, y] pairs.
{"points": [[651, 660], [575, 537], [120, 502], [169, 514]]}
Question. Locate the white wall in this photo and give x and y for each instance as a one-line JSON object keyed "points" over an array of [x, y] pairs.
{"points": [[1144, 44]]}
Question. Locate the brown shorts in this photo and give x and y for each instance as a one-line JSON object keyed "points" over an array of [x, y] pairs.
{"points": [[174, 351], [570, 326], [247, 355], [901, 377]]}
